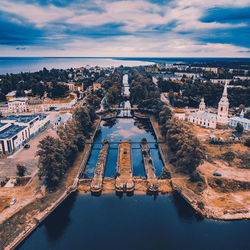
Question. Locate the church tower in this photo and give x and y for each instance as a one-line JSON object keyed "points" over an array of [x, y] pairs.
{"points": [[222, 116], [202, 106]]}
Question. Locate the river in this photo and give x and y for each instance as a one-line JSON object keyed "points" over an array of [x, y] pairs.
{"points": [[132, 222]]}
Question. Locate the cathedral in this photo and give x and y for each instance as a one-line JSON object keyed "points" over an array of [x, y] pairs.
{"points": [[210, 120]]}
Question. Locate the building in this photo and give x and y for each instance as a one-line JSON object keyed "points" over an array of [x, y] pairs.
{"points": [[242, 78], [233, 121], [222, 116], [34, 105], [35, 123], [211, 120], [17, 105], [96, 86], [63, 103], [12, 94], [180, 114], [203, 118], [12, 137], [17, 130], [224, 81], [4, 108]]}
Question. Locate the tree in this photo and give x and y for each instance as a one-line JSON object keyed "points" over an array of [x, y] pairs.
{"points": [[239, 128], [21, 170], [52, 163]]}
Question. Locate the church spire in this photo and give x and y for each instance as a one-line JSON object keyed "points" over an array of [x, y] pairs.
{"points": [[202, 106], [225, 91], [222, 116]]}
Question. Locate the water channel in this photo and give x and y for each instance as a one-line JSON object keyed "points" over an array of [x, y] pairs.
{"points": [[137, 222]]}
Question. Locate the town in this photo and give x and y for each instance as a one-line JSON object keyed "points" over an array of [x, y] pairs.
{"points": [[54, 139]]}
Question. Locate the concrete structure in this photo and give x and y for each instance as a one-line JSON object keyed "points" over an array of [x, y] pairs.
{"points": [[124, 181], [233, 121], [17, 105], [97, 181]]}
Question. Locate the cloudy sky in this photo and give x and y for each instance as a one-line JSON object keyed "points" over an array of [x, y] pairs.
{"points": [[133, 28]]}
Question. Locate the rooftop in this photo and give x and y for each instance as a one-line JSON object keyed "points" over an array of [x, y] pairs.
{"points": [[11, 131], [19, 118], [205, 115]]}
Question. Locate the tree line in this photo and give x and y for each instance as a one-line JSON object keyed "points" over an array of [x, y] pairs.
{"points": [[143, 92], [189, 153], [57, 155], [190, 92], [113, 87]]}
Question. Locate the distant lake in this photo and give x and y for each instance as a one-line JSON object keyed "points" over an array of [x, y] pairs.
{"points": [[32, 64]]}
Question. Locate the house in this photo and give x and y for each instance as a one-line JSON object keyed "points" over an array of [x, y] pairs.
{"points": [[96, 86], [12, 137], [17, 105], [34, 105], [224, 81], [180, 114], [233, 121]]}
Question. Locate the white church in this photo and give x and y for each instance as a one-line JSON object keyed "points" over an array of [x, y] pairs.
{"points": [[210, 120]]}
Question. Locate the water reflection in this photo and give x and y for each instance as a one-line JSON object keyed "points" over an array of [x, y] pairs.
{"points": [[58, 222], [183, 209]]}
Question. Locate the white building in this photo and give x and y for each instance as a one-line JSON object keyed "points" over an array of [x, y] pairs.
{"points": [[11, 137], [48, 104], [203, 118], [17, 130], [189, 75], [17, 105], [233, 121], [4, 108], [243, 78], [210, 120], [224, 81]]}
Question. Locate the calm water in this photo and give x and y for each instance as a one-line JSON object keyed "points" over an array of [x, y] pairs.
{"points": [[32, 64], [139, 222]]}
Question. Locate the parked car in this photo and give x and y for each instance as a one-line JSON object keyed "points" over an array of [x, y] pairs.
{"points": [[216, 174], [26, 146], [13, 201]]}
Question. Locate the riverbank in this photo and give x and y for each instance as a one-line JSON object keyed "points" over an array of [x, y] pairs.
{"points": [[207, 198]]}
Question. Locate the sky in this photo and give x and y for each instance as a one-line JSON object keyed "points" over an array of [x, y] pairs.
{"points": [[133, 28]]}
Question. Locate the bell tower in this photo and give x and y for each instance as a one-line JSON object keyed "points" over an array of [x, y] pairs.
{"points": [[202, 106], [222, 116]]}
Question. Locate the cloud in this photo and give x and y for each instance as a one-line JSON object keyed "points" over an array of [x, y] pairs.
{"points": [[132, 28]]}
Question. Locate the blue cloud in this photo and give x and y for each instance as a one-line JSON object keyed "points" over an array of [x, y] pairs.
{"points": [[227, 15], [15, 31]]}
